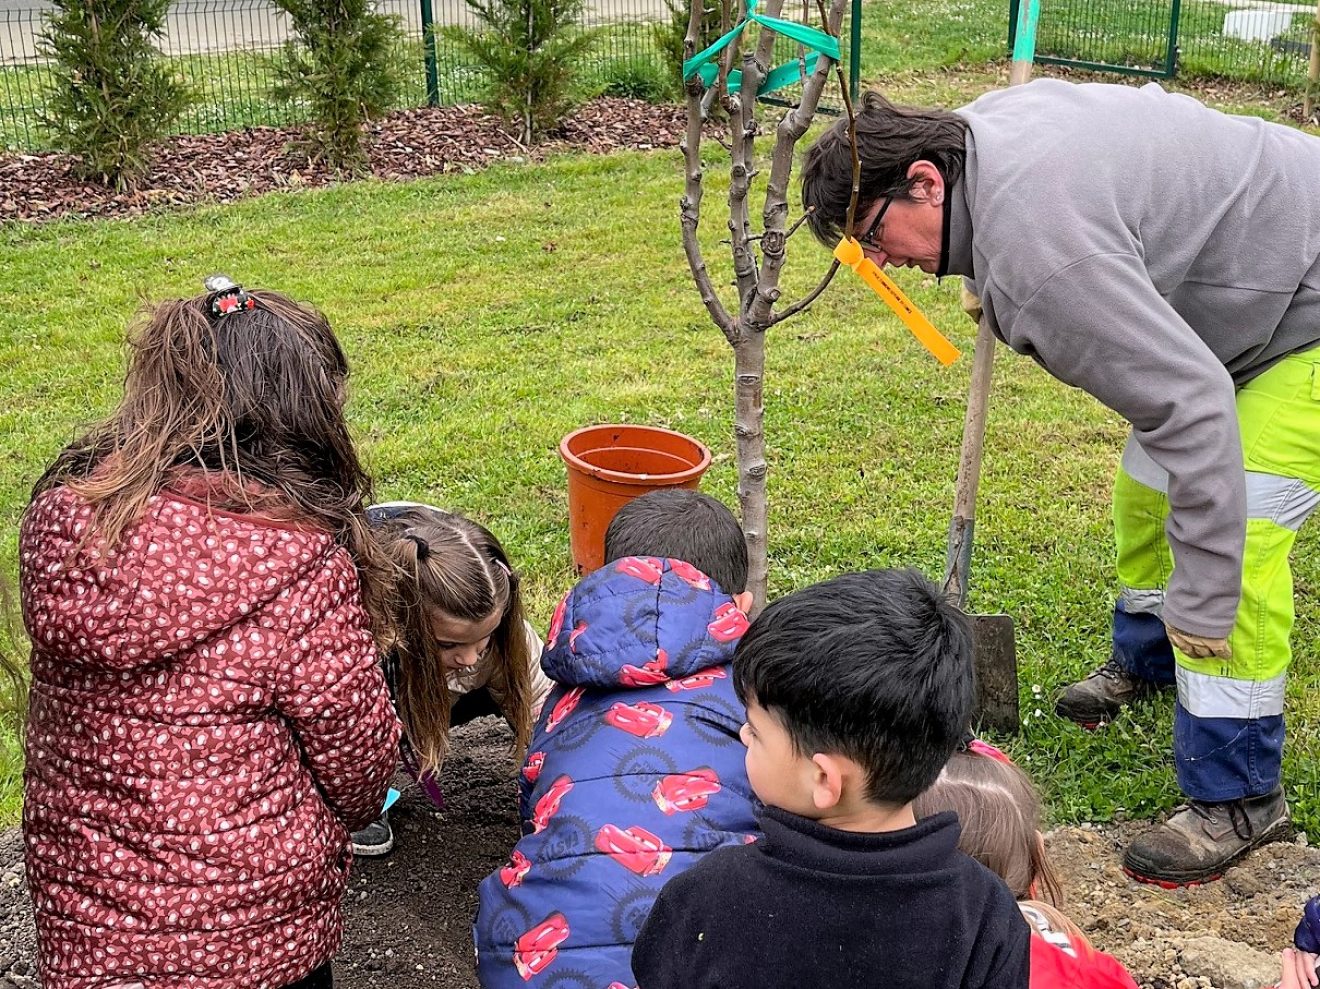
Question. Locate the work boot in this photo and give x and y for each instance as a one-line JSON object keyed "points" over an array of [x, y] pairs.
{"points": [[1101, 695], [375, 839], [1201, 840]]}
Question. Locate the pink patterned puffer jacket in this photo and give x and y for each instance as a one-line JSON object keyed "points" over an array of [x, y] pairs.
{"points": [[207, 721]]}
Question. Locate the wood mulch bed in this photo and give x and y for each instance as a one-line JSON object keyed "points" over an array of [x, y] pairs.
{"points": [[220, 168]]}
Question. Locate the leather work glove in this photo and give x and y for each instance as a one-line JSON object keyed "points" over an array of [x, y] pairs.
{"points": [[1198, 646], [971, 304]]}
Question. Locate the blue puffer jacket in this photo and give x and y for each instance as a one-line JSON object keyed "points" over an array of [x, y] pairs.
{"points": [[634, 772]]}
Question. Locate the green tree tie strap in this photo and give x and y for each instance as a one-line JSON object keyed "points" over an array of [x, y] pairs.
{"points": [[776, 78], [817, 41]]}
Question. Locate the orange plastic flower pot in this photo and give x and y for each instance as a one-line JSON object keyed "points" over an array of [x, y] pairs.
{"points": [[609, 466]]}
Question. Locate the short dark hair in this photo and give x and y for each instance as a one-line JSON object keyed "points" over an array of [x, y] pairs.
{"points": [[682, 525], [875, 666], [890, 139]]}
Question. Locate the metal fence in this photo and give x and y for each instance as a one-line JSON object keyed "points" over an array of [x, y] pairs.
{"points": [[1253, 40], [226, 52]]}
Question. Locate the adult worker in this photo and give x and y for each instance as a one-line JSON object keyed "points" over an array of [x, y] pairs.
{"points": [[1165, 258]]}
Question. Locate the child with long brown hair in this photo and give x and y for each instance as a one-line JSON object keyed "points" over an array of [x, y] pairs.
{"points": [[208, 720], [1000, 814], [463, 647]]}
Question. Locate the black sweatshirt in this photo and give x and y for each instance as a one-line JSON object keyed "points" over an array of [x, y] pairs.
{"points": [[810, 906]]}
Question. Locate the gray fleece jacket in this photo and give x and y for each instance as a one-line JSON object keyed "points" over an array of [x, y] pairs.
{"points": [[1158, 255]]}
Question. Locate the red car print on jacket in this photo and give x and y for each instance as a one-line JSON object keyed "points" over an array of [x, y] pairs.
{"points": [[548, 805], [690, 574], [532, 771], [702, 678], [563, 708], [643, 719], [686, 791], [646, 675], [636, 849], [729, 623], [557, 623], [535, 950], [512, 874], [574, 635], [647, 568]]}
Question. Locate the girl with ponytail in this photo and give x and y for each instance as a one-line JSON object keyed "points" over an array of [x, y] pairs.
{"points": [[462, 646]]}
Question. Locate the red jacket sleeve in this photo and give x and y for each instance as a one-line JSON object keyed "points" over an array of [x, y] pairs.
{"points": [[333, 694], [1053, 968]]}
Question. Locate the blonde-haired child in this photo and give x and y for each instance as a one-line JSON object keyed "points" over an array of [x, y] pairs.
{"points": [[1000, 814]]}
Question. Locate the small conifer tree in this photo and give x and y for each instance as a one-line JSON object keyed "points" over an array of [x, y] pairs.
{"points": [[529, 50], [340, 68], [111, 93]]}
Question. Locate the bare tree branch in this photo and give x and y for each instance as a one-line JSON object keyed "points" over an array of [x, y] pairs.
{"points": [[742, 125], [789, 311], [690, 206], [797, 223], [852, 133], [730, 57], [789, 132]]}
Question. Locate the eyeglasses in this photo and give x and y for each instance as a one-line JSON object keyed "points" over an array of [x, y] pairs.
{"points": [[868, 239]]}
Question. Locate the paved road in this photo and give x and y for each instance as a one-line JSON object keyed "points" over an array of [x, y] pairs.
{"points": [[221, 25]]}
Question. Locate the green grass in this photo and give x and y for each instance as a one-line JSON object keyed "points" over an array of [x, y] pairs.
{"points": [[487, 315]]}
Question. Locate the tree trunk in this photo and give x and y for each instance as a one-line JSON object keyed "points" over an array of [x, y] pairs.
{"points": [[757, 284], [748, 427]]}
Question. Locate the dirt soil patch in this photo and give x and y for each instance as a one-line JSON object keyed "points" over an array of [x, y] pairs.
{"points": [[409, 913], [220, 168]]}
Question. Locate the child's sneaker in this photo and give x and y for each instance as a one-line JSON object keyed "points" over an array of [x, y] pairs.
{"points": [[375, 839]]}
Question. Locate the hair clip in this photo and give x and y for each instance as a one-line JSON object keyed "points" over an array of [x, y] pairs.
{"points": [[227, 296], [988, 750], [423, 547], [504, 566]]}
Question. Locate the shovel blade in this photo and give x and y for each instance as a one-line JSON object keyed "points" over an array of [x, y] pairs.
{"points": [[995, 652]]}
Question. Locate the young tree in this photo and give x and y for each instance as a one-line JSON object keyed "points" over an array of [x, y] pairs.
{"points": [[757, 260], [340, 67], [111, 94], [529, 50]]}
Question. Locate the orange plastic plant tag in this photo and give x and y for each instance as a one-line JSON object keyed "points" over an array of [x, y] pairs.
{"points": [[849, 252]]}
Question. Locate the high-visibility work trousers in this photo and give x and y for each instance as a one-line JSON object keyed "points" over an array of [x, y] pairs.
{"points": [[1228, 722]]}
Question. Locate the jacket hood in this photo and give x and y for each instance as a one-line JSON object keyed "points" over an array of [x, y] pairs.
{"points": [[182, 573], [638, 622]]}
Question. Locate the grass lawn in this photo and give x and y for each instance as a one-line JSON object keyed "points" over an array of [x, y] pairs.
{"points": [[487, 315]]}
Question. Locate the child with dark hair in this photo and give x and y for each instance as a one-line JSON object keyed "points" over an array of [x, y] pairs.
{"points": [[207, 720], [682, 525], [857, 691], [635, 769]]}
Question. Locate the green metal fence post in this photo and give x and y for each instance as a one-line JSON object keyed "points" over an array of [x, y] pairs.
{"points": [[855, 50], [1171, 58], [428, 43]]}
